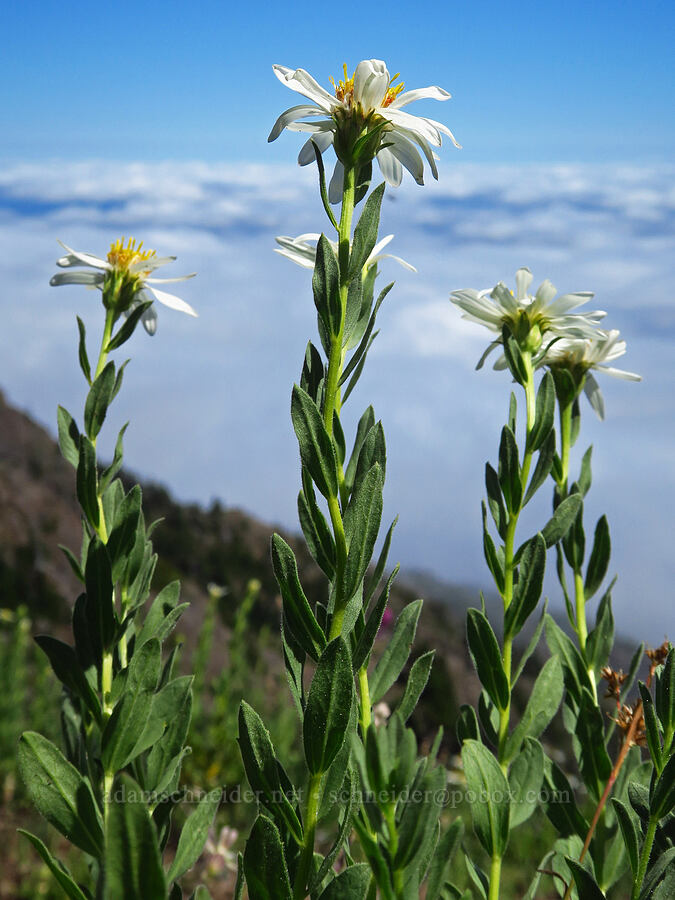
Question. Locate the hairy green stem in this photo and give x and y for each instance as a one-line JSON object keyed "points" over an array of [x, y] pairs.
{"points": [[307, 854], [495, 877], [644, 856], [364, 689]]}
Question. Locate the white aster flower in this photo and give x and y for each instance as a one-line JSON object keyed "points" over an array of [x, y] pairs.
{"points": [[302, 251], [528, 317], [367, 101], [131, 268], [580, 355]]}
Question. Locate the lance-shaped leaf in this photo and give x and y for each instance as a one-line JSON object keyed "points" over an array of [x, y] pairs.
{"points": [[98, 401], [98, 582], [328, 707], [82, 350], [665, 693], [69, 672], [87, 481], [525, 778], [628, 831], [123, 533], [542, 468], [417, 681], [562, 519], [509, 471], [362, 524], [60, 793], [493, 557], [265, 863], [345, 827], [326, 285], [601, 638], [594, 760], [527, 591], [544, 413], [350, 884], [576, 676], [371, 582], [599, 560], [487, 657], [193, 836], [587, 886], [365, 233], [662, 797], [133, 866], [61, 874], [301, 620], [367, 637], [69, 436], [366, 422], [373, 450], [466, 727], [262, 768], [541, 706], [495, 500], [397, 651], [490, 797], [128, 326], [439, 870], [316, 448]]}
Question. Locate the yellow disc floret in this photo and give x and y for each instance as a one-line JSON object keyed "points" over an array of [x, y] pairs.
{"points": [[122, 257], [344, 89], [393, 90]]}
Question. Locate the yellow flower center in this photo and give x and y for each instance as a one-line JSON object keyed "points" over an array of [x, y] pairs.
{"points": [[344, 89], [122, 257]]}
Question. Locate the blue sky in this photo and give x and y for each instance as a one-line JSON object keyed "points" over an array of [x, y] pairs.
{"points": [[174, 80], [152, 119]]}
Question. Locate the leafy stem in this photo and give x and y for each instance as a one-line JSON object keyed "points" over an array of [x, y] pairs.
{"points": [[307, 854], [644, 856]]}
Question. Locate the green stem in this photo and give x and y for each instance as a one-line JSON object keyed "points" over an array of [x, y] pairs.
{"points": [[364, 690], [644, 857], [307, 855], [495, 877], [390, 818], [106, 682], [565, 446]]}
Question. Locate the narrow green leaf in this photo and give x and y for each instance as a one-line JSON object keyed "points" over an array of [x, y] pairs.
{"points": [[561, 807], [495, 500], [542, 705], [599, 560], [561, 646], [509, 470], [326, 285], [357, 360], [439, 870], [193, 836], [350, 884], [584, 479], [494, 560], [544, 413], [82, 350], [417, 681], [562, 519], [365, 233], [665, 693], [61, 875], [87, 481], [124, 529], [662, 798], [60, 793], [629, 832], [528, 589], [128, 326], [367, 637], [362, 524], [98, 401], [601, 638], [265, 863], [111, 471], [316, 448], [328, 707], [594, 761], [67, 669], [396, 652], [526, 775], [301, 620], [487, 658], [133, 866], [69, 436], [467, 728], [542, 468], [531, 647], [586, 884], [490, 797]]}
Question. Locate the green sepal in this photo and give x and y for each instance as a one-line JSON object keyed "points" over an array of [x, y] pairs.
{"points": [[301, 620], [82, 350], [362, 524], [69, 436], [60, 793], [87, 481], [397, 651], [193, 836], [98, 401], [128, 326], [490, 809], [365, 232], [61, 874], [599, 559], [133, 865], [328, 708], [417, 681], [526, 775], [487, 658], [326, 285], [316, 447]]}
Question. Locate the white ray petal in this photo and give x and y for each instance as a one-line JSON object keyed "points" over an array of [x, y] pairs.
{"points": [[290, 115], [371, 80], [407, 155], [323, 140], [86, 259], [172, 301], [336, 185], [94, 278], [433, 92], [390, 167], [301, 81], [169, 280]]}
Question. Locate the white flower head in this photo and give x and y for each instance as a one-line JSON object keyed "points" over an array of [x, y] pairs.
{"points": [[581, 355], [302, 251], [527, 316], [368, 102], [124, 277]]}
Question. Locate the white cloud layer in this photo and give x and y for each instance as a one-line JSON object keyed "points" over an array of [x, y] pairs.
{"points": [[208, 398]]}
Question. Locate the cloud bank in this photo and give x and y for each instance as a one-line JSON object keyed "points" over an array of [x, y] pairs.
{"points": [[208, 399]]}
